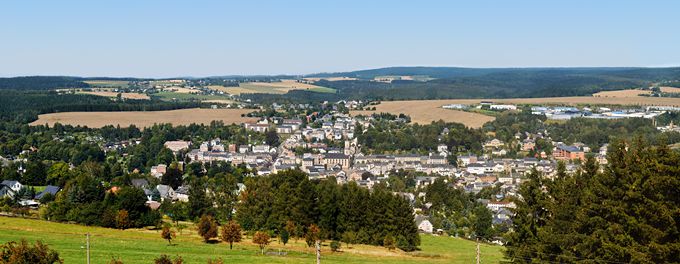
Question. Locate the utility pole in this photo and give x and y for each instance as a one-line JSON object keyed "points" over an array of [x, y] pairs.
{"points": [[87, 244], [479, 259], [318, 252]]}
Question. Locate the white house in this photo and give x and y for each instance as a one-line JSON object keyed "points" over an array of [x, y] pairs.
{"points": [[14, 185], [424, 224]]}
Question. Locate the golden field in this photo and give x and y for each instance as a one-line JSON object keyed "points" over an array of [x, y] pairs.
{"points": [[425, 113], [145, 118], [634, 92], [281, 87]]}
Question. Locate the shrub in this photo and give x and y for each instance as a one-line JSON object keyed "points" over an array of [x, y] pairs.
{"points": [[262, 239], [22, 252], [231, 232], [207, 227], [168, 234], [335, 246]]}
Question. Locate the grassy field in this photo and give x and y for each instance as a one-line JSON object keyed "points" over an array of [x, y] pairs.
{"points": [[145, 119], [281, 87], [142, 246]]}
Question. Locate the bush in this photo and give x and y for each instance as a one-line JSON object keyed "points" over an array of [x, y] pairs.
{"points": [[168, 234], [404, 245], [115, 261], [231, 232], [207, 227], [165, 259], [388, 242], [22, 252], [262, 239], [284, 236], [335, 246]]}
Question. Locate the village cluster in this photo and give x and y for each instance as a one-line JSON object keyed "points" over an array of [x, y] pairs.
{"points": [[307, 148]]}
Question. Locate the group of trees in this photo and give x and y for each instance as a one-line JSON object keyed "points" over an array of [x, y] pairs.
{"points": [[85, 200], [624, 213], [458, 212], [387, 136], [288, 203]]}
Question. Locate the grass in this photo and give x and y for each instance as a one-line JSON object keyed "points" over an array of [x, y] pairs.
{"points": [[142, 246], [38, 189]]}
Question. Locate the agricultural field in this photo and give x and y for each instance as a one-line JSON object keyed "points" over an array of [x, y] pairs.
{"points": [[176, 96], [145, 118], [108, 84], [634, 92], [426, 113], [142, 246], [137, 96], [666, 89], [623, 93], [281, 87]]}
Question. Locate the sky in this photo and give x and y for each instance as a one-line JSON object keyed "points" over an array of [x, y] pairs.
{"points": [[211, 38]]}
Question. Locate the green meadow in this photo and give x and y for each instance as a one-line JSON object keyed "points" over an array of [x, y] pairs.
{"points": [[142, 246]]}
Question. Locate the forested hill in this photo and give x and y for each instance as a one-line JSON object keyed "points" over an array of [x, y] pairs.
{"points": [[450, 83], [41, 83], [647, 74]]}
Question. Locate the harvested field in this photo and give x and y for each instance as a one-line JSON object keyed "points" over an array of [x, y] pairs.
{"points": [[634, 92], [114, 94], [622, 93], [145, 119], [281, 87], [426, 111], [670, 89]]}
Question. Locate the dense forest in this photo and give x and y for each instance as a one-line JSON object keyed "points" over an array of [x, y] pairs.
{"points": [[627, 213], [41, 83], [391, 137], [479, 83], [25, 106], [342, 212]]}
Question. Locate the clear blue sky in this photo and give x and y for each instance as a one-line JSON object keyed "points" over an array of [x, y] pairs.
{"points": [[203, 38]]}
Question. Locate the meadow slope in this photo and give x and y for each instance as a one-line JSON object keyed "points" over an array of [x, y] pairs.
{"points": [[142, 246]]}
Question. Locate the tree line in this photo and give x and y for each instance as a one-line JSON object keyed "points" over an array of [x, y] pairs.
{"points": [[342, 212], [626, 212]]}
